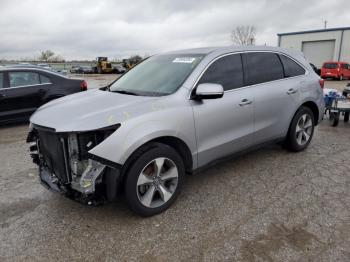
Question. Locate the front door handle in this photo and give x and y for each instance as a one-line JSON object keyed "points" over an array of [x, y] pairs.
{"points": [[245, 102], [291, 91], [2, 96]]}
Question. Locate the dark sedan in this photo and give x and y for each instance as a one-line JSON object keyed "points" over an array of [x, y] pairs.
{"points": [[23, 90]]}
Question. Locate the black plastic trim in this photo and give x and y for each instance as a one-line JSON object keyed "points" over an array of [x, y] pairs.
{"points": [[104, 161], [49, 129]]}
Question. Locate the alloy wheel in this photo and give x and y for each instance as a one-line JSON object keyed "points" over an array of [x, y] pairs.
{"points": [[157, 182], [304, 129]]}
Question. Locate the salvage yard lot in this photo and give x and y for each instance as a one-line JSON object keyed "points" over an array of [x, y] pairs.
{"points": [[269, 204]]}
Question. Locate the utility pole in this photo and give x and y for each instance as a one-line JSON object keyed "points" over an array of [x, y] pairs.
{"points": [[325, 24]]}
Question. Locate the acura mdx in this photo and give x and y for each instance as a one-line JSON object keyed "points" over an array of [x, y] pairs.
{"points": [[170, 115]]}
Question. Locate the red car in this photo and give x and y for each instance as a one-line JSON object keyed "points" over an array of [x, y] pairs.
{"points": [[338, 70]]}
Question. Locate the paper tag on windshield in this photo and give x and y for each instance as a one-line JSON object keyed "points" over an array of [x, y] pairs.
{"points": [[187, 60]]}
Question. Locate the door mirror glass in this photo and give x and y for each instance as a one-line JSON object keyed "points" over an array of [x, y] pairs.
{"points": [[209, 91]]}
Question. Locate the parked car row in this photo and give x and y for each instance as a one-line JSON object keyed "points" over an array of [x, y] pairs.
{"points": [[24, 89], [40, 66], [119, 69], [81, 70]]}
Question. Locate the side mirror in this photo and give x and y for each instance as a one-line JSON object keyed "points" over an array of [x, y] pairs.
{"points": [[209, 91]]}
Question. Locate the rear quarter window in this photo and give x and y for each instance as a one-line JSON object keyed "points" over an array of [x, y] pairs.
{"points": [[260, 67], [291, 68], [45, 80]]}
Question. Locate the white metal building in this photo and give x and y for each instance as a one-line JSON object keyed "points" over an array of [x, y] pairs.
{"points": [[319, 45]]}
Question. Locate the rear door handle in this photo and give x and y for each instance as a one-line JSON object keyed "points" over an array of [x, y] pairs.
{"points": [[291, 91], [2, 96], [245, 102]]}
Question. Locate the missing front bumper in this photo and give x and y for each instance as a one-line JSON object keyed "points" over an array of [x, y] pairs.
{"points": [[94, 196], [65, 166], [86, 183]]}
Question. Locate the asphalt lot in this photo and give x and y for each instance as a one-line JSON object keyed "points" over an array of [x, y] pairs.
{"points": [[268, 205]]}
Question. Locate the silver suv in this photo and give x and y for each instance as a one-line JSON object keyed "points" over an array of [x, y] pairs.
{"points": [[170, 115]]}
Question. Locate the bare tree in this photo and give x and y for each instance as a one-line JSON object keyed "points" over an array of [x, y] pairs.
{"points": [[49, 56], [243, 35], [46, 55]]}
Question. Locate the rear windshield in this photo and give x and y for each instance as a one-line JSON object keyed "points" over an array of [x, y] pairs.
{"points": [[330, 65]]}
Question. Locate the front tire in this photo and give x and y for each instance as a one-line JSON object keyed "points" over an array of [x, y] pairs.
{"points": [[301, 130], [154, 179]]}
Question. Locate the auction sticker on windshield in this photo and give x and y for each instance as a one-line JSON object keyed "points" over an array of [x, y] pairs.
{"points": [[187, 60]]}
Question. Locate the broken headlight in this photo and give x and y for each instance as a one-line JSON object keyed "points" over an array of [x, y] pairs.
{"points": [[85, 171], [79, 145]]}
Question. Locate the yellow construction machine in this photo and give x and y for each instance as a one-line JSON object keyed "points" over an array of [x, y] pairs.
{"points": [[103, 66]]}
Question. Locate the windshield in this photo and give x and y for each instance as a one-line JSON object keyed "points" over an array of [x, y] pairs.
{"points": [[158, 75], [330, 65]]}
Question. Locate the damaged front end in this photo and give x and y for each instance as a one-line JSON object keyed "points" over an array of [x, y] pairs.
{"points": [[67, 167]]}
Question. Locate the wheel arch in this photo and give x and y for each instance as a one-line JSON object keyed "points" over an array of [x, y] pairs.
{"points": [[176, 143], [314, 108], [181, 147]]}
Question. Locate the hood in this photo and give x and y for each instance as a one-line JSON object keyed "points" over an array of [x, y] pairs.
{"points": [[90, 110]]}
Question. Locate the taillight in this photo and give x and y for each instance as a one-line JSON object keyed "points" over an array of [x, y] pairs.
{"points": [[321, 82], [83, 85]]}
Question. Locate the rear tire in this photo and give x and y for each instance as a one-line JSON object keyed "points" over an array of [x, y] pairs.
{"points": [[154, 179], [301, 130]]}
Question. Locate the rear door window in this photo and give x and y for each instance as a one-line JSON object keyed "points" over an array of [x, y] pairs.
{"points": [[260, 67], [45, 80], [23, 79], [226, 71], [291, 68]]}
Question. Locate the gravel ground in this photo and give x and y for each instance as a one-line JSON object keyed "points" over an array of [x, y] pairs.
{"points": [[268, 205]]}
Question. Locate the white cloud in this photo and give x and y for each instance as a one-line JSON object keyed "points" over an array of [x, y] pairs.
{"points": [[86, 29]]}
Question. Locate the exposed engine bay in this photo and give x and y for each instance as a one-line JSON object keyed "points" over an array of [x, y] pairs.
{"points": [[67, 167]]}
